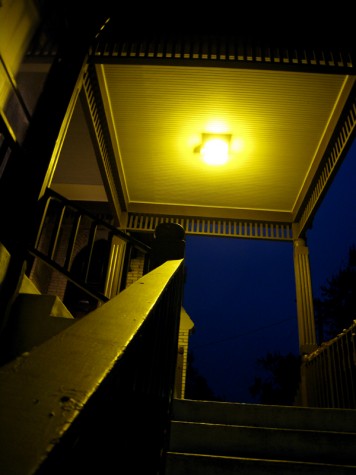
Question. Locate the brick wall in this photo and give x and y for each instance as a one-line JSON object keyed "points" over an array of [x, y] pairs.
{"points": [[185, 328], [48, 280], [135, 271], [182, 361]]}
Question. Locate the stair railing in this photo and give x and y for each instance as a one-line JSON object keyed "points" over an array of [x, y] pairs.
{"points": [[97, 397], [328, 374], [62, 225]]}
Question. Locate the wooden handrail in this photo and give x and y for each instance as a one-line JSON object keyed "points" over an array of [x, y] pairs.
{"points": [[96, 397]]}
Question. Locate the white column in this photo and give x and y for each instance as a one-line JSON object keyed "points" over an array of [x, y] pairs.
{"points": [[305, 307]]}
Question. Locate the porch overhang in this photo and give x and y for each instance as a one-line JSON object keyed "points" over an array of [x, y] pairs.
{"points": [[146, 103]]}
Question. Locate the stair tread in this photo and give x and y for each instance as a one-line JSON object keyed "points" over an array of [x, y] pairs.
{"points": [[281, 461], [235, 430], [313, 446], [179, 463], [264, 428], [337, 419]]}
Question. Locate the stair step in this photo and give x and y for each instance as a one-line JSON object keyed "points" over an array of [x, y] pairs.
{"points": [[291, 417], [222, 438], [28, 286], [4, 262], [269, 443], [34, 319], [194, 464]]}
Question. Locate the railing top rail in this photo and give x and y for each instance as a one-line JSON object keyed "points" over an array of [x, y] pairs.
{"points": [[45, 391], [327, 344], [51, 194]]}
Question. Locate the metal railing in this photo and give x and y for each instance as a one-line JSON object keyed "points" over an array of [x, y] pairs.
{"points": [[65, 230], [329, 372]]}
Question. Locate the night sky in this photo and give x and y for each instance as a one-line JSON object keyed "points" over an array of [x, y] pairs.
{"points": [[240, 293]]}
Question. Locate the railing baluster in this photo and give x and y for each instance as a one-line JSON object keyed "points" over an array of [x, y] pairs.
{"points": [[72, 240], [91, 242], [62, 231], [329, 372], [56, 233]]}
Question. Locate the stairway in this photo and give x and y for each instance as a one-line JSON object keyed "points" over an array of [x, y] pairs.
{"points": [[34, 317], [219, 438]]}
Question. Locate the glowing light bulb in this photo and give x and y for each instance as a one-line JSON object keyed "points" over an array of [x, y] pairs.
{"points": [[215, 151]]}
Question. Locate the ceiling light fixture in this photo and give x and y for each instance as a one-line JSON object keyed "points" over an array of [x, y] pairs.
{"points": [[215, 148]]}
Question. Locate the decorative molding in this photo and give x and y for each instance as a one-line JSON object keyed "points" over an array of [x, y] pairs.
{"points": [[338, 150], [102, 142], [224, 51], [214, 227]]}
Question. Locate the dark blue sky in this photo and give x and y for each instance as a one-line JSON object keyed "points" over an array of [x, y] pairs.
{"points": [[334, 226], [240, 293]]}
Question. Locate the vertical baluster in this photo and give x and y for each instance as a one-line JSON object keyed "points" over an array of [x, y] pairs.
{"points": [[91, 242], [71, 241], [56, 233], [330, 379], [340, 371]]}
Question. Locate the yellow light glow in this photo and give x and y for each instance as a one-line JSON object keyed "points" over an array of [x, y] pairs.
{"points": [[215, 151], [237, 145]]}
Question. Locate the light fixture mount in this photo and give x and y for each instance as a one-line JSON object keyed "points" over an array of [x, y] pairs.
{"points": [[214, 148], [212, 136]]}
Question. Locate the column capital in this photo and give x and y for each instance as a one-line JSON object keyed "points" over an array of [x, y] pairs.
{"points": [[300, 242]]}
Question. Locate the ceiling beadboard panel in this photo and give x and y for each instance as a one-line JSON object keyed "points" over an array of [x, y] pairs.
{"points": [[159, 114]]}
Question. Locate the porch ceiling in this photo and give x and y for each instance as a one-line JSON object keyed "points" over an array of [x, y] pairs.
{"points": [[156, 116]]}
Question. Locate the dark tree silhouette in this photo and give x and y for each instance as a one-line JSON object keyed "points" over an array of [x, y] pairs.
{"points": [[196, 386], [336, 309], [280, 378]]}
